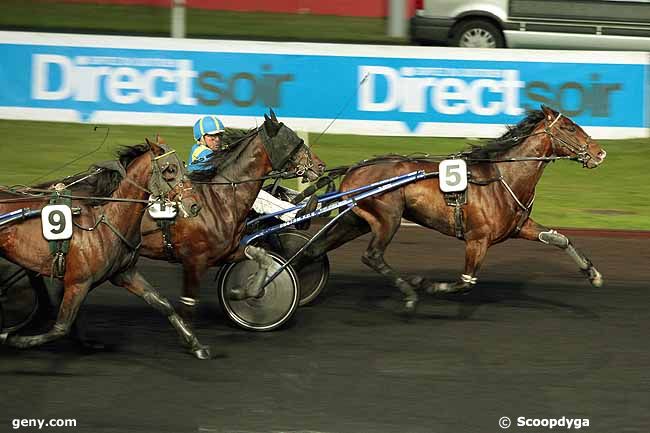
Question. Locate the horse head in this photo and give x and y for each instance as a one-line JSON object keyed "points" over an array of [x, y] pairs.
{"points": [[288, 152], [167, 169], [569, 139]]}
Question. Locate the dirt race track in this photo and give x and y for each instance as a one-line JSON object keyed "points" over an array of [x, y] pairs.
{"points": [[533, 340]]}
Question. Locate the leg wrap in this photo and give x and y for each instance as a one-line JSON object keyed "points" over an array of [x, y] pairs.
{"points": [[183, 330], [468, 279], [582, 262], [158, 302], [554, 238], [61, 328], [190, 302]]}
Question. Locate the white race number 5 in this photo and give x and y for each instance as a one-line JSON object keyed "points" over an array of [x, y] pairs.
{"points": [[453, 175]]}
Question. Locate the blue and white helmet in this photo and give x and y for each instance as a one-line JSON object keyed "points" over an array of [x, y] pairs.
{"points": [[207, 125]]}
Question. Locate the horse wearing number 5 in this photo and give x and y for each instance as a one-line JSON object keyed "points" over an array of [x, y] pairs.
{"points": [[497, 204]]}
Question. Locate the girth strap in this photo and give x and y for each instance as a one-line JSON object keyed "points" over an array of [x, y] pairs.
{"points": [[457, 200], [59, 248], [168, 246], [458, 220]]}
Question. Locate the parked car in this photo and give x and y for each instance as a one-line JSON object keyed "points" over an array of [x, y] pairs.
{"points": [[564, 24]]}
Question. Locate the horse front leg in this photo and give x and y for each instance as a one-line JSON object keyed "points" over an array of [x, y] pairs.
{"points": [[536, 232], [135, 283], [475, 251], [73, 297], [193, 270]]}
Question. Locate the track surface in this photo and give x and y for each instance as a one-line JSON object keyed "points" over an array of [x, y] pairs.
{"points": [[533, 340]]}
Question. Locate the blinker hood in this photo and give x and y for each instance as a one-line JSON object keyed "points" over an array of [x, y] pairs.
{"points": [[281, 147]]}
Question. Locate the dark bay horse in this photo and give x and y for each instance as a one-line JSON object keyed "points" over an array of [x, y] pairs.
{"points": [[498, 204], [226, 192], [105, 241]]}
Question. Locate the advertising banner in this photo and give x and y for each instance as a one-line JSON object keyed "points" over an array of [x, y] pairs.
{"points": [[391, 90]]}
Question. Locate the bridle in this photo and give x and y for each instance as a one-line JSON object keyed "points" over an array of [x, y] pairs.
{"points": [[306, 163], [161, 184], [275, 146], [560, 139]]}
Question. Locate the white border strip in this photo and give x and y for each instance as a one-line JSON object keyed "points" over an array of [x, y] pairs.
{"points": [[320, 49], [340, 126]]}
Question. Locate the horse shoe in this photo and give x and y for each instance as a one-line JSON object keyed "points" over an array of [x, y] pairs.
{"points": [[202, 352]]}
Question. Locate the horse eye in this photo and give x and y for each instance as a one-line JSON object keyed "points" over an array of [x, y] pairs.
{"points": [[571, 128], [169, 173]]}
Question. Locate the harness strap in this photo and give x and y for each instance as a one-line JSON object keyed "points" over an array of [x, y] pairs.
{"points": [[59, 248], [106, 221], [457, 200], [525, 208], [458, 222], [168, 246], [519, 203]]}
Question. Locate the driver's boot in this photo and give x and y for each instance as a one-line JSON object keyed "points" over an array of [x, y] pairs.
{"points": [[310, 206]]}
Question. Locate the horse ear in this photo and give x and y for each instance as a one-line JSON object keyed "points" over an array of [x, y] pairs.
{"points": [[273, 118], [548, 112], [155, 148], [159, 139], [266, 125]]}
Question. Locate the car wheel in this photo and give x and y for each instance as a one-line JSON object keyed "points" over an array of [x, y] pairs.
{"points": [[477, 34]]}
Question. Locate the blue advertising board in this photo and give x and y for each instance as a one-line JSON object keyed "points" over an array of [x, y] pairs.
{"points": [[351, 85]]}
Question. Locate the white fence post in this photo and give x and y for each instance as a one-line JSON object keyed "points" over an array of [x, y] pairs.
{"points": [[397, 18], [178, 18]]}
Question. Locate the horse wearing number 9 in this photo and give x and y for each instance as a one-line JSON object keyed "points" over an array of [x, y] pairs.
{"points": [[499, 199], [106, 238]]}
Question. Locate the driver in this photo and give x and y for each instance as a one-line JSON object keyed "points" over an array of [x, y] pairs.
{"points": [[208, 135]]}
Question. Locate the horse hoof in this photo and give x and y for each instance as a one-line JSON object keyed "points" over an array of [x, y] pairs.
{"points": [[409, 308], [595, 277], [597, 281], [92, 345], [202, 352], [440, 288]]}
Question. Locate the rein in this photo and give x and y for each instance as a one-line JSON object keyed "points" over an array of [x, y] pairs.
{"points": [[278, 175]]}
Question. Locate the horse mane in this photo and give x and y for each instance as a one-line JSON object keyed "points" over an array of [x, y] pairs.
{"points": [[104, 183], [234, 141], [514, 136]]}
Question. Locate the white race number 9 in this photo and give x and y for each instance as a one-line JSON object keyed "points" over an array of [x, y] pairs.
{"points": [[57, 222]]}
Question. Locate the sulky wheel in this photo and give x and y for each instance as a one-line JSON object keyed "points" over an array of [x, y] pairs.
{"points": [[271, 310], [313, 276]]}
